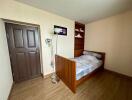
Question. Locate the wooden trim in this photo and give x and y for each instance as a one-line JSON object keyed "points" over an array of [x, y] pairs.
{"points": [[9, 96], [39, 34], [20, 23], [66, 71], [119, 74], [33, 25], [40, 48]]}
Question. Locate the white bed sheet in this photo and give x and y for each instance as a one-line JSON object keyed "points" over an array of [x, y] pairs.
{"points": [[85, 65]]}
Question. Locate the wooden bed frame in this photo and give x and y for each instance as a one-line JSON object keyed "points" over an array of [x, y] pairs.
{"points": [[66, 71]]}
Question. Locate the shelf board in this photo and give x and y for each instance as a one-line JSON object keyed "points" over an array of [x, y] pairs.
{"points": [[79, 49], [79, 32], [78, 38]]}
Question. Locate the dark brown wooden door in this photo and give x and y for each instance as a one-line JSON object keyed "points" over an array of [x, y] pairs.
{"points": [[23, 43]]}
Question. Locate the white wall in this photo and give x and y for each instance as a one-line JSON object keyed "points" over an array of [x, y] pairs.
{"points": [[113, 36], [5, 68], [10, 9]]}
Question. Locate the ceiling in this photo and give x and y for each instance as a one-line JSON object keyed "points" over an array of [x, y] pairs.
{"points": [[84, 11]]}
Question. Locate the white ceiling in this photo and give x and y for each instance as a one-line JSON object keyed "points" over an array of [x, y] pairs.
{"points": [[84, 11]]}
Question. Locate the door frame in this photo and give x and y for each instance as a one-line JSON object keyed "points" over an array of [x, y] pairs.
{"points": [[40, 43]]}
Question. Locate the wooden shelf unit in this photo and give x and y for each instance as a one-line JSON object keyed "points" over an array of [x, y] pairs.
{"points": [[79, 42]]}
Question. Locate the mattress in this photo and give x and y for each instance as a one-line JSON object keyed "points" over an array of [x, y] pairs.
{"points": [[86, 65]]}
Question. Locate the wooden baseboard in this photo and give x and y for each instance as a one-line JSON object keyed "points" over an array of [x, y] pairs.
{"points": [[10, 91], [119, 74]]}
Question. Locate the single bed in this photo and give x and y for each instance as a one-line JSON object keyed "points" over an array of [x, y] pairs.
{"points": [[75, 71]]}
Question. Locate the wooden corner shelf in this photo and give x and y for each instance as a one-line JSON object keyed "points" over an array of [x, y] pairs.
{"points": [[79, 42]]}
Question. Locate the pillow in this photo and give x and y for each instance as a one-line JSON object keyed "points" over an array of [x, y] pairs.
{"points": [[87, 53], [92, 54], [89, 58], [97, 55]]}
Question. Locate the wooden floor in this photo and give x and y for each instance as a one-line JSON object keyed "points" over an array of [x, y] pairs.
{"points": [[103, 86]]}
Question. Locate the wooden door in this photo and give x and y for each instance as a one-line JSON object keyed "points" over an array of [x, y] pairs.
{"points": [[23, 43]]}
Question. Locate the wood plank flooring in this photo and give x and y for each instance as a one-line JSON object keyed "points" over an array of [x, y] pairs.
{"points": [[103, 86]]}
